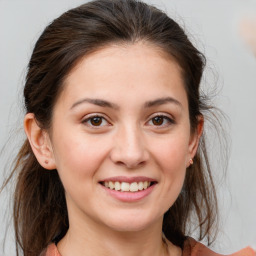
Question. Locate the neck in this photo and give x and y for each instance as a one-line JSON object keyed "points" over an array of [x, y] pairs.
{"points": [[88, 239]]}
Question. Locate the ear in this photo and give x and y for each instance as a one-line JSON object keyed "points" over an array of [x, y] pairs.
{"points": [[194, 139], [40, 142]]}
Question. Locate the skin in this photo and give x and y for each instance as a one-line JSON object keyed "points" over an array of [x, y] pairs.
{"points": [[140, 82]]}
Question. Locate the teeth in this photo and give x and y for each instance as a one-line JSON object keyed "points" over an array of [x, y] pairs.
{"points": [[140, 185], [117, 185], [110, 185], [134, 187], [145, 184], [127, 187]]}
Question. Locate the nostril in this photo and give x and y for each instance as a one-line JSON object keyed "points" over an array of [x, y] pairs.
{"points": [[131, 164], [129, 152], [135, 165], [120, 163]]}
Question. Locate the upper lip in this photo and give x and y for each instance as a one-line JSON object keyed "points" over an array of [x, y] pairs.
{"points": [[128, 179]]}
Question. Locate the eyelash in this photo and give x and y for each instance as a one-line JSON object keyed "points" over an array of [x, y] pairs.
{"points": [[166, 121], [88, 121]]}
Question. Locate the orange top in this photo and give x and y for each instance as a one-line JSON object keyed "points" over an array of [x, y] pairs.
{"points": [[191, 248], [194, 248]]}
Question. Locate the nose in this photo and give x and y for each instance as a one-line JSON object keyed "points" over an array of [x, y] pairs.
{"points": [[129, 148]]}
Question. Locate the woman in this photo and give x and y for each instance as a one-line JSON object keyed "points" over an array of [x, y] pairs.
{"points": [[115, 161]]}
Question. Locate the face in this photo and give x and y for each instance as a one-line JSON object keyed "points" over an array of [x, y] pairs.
{"points": [[121, 138]]}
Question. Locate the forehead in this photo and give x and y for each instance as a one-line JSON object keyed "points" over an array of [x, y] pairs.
{"points": [[131, 68], [139, 53]]}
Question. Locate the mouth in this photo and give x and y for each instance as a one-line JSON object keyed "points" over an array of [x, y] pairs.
{"points": [[128, 189], [127, 186]]}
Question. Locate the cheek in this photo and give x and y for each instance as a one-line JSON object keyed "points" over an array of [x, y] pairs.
{"points": [[174, 171], [174, 168], [77, 158], [171, 152], [171, 158]]}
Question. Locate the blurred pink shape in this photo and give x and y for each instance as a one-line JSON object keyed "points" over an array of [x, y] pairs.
{"points": [[248, 32]]}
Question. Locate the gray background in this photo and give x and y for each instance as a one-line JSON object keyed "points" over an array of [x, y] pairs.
{"points": [[213, 27]]}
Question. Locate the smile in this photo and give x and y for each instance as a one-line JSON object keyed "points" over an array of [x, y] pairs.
{"points": [[127, 187]]}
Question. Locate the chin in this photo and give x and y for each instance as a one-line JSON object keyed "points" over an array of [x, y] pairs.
{"points": [[132, 223], [128, 227]]}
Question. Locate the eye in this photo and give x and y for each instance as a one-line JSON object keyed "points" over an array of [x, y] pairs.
{"points": [[95, 121], [161, 120]]}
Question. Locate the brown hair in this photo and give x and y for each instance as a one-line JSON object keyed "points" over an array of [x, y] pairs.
{"points": [[40, 212]]}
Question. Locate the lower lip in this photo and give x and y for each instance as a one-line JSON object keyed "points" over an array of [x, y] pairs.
{"points": [[129, 196]]}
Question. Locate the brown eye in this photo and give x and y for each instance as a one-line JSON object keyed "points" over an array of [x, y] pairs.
{"points": [[161, 121], [158, 120], [96, 121]]}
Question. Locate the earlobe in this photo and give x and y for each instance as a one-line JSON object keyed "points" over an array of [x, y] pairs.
{"points": [[194, 140], [40, 142]]}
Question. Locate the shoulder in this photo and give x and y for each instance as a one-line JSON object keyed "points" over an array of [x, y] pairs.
{"points": [[194, 248], [191, 248], [51, 250]]}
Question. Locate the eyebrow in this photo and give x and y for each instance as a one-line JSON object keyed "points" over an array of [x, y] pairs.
{"points": [[98, 102], [148, 104], [162, 101]]}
